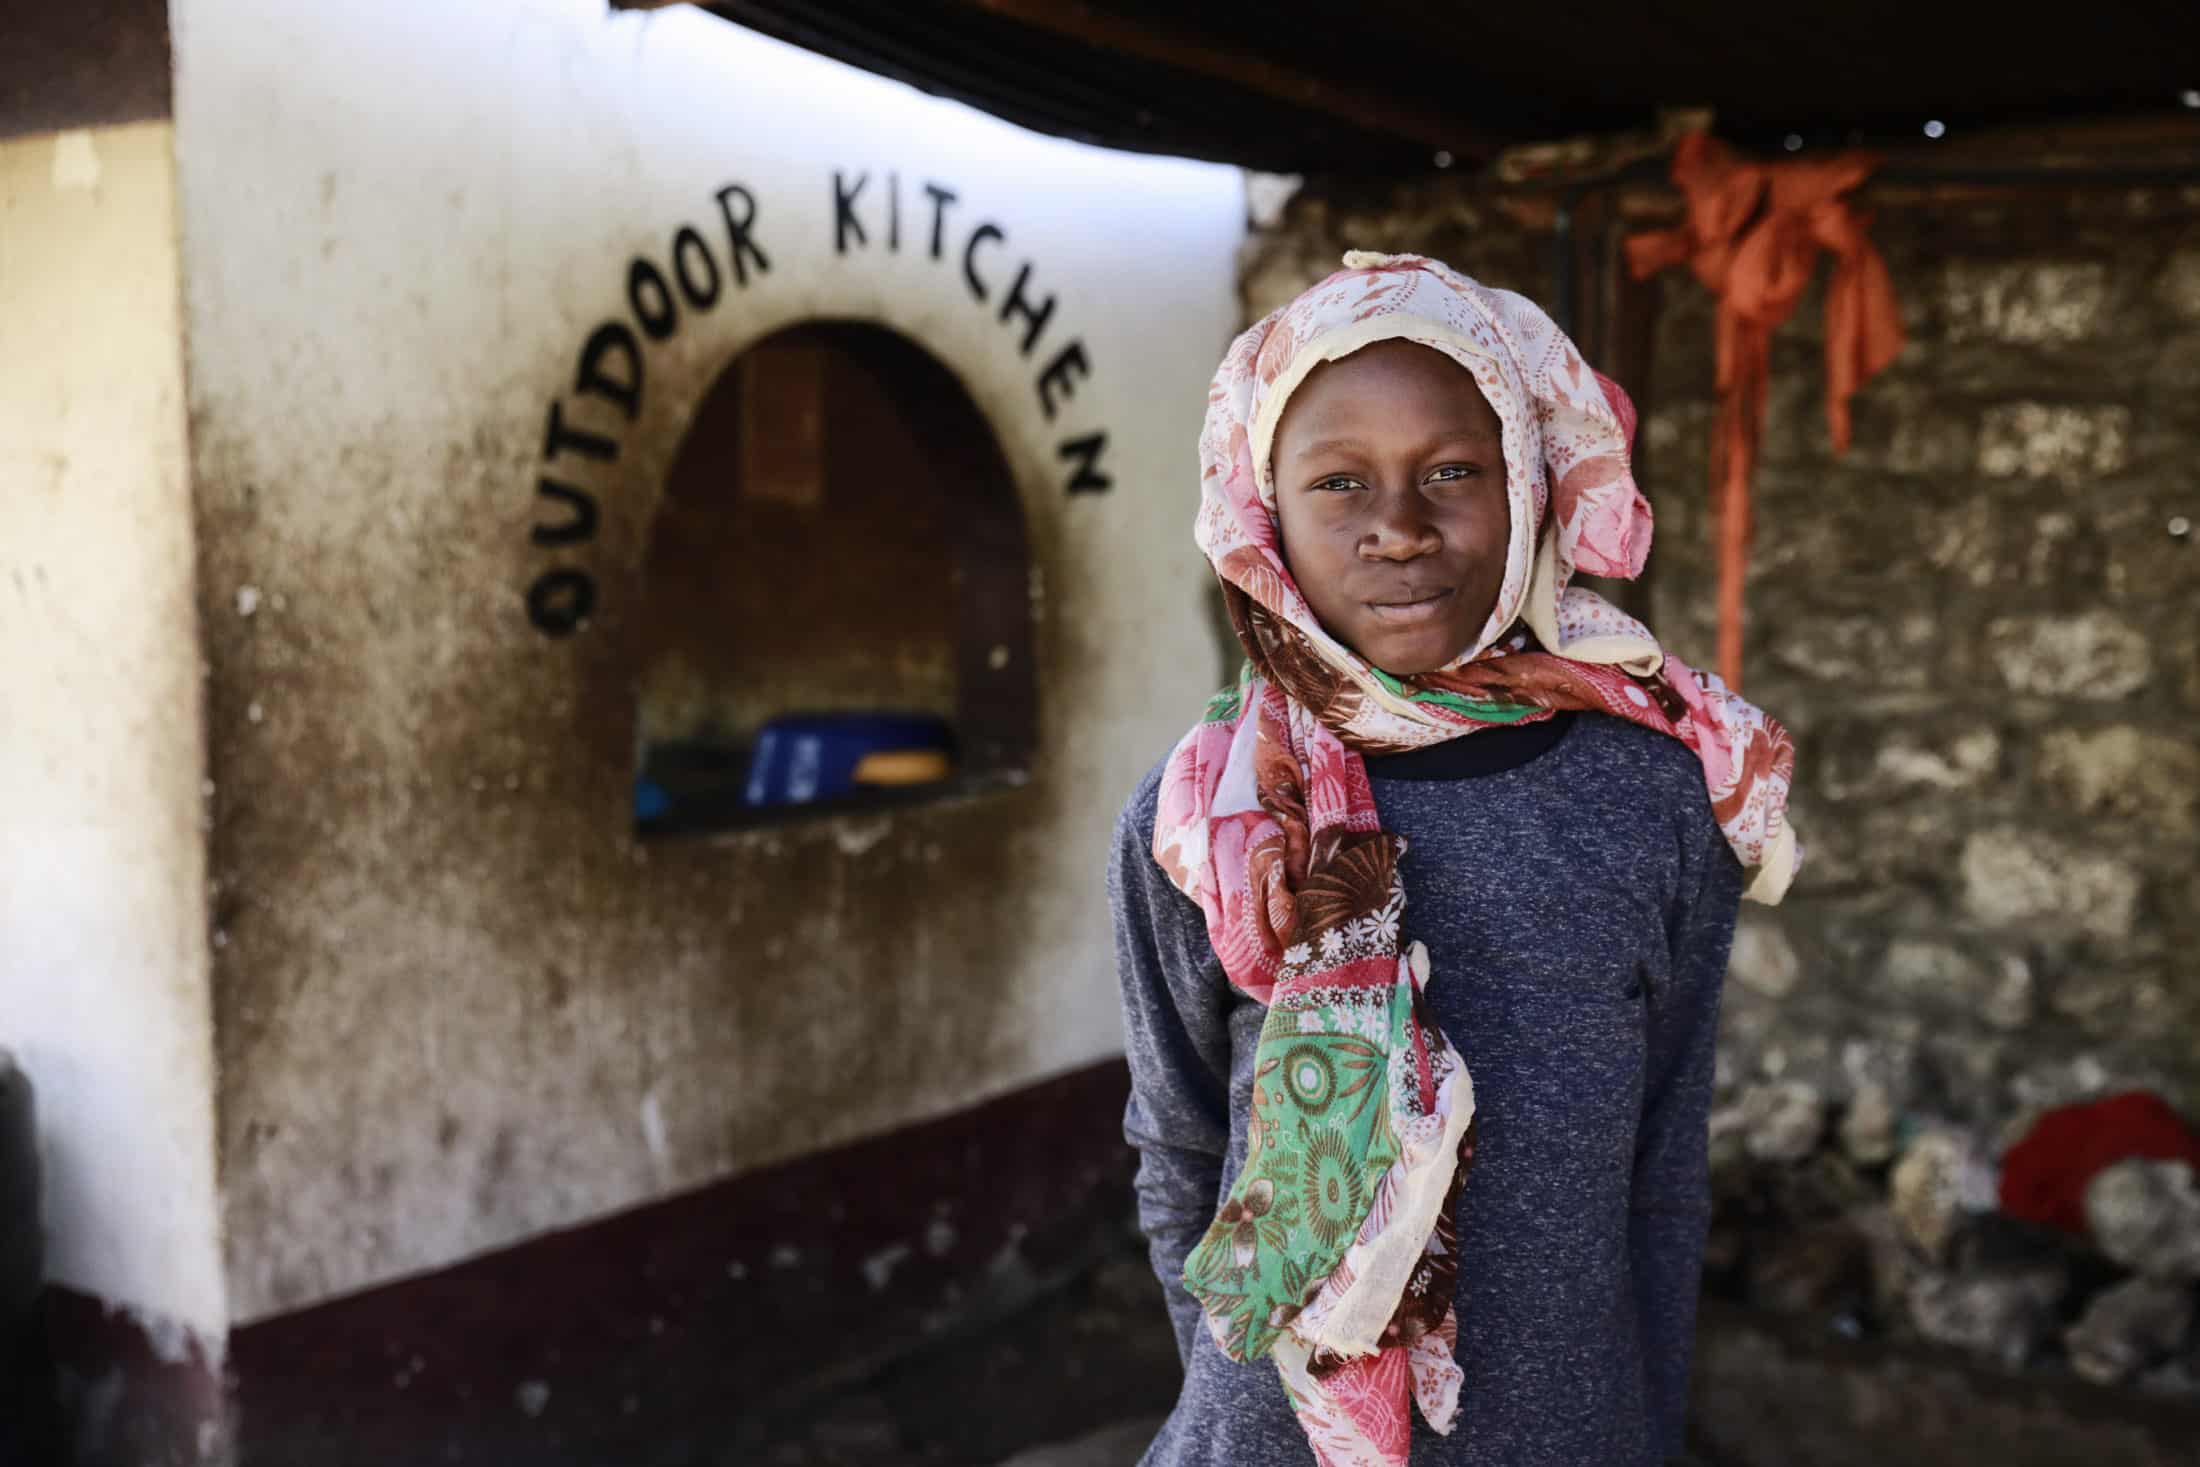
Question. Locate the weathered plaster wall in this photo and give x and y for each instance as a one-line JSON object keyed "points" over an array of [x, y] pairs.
{"points": [[457, 1003], [1983, 626], [103, 960]]}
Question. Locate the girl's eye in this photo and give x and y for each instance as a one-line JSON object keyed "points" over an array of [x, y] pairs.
{"points": [[1447, 473], [1335, 484]]}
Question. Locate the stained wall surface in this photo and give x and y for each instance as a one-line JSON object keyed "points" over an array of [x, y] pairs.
{"points": [[103, 941], [457, 1002]]}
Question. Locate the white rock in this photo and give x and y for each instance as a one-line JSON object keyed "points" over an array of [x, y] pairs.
{"points": [[2029, 302], [2179, 285], [2145, 1215], [1729, 1137], [1867, 1129], [2096, 654], [2065, 442], [2012, 874], [2125, 772], [1940, 1180], [2005, 1315], [1763, 959], [2009, 1005], [2129, 1328], [1928, 969], [1962, 763], [1784, 1121], [878, 1268]]}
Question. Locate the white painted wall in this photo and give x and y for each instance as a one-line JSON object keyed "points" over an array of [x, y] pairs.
{"points": [[103, 961], [400, 222]]}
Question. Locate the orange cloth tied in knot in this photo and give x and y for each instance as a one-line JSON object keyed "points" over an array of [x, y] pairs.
{"points": [[1752, 237]]}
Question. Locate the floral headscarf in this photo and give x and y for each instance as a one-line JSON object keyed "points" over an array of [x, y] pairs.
{"points": [[1334, 1251]]}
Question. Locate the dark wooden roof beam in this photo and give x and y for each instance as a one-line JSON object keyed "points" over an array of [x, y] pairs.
{"points": [[1196, 55]]}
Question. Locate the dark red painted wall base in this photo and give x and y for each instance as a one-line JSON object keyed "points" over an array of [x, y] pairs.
{"points": [[103, 1392], [666, 1334]]}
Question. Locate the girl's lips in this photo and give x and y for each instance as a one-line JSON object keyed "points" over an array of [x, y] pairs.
{"points": [[1407, 613]]}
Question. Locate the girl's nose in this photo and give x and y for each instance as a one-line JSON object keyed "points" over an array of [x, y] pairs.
{"points": [[1399, 527]]}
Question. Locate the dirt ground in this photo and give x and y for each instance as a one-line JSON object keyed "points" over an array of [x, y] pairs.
{"points": [[1080, 1377]]}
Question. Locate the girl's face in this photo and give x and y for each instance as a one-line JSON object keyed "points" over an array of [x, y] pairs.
{"points": [[1389, 469]]}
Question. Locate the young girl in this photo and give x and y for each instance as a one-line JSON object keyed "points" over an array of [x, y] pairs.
{"points": [[1362, 954]]}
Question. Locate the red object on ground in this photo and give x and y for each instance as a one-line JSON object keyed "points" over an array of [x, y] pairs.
{"points": [[2044, 1175]]}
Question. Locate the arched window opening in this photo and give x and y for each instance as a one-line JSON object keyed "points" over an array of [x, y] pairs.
{"points": [[836, 598]]}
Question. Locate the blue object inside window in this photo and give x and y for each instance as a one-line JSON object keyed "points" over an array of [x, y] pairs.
{"points": [[798, 764]]}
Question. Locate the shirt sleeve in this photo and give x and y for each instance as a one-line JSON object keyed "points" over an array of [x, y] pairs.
{"points": [[1672, 1191], [1177, 1040]]}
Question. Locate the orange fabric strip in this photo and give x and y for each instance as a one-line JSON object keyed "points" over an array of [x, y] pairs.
{"points": [[1752, 236]]}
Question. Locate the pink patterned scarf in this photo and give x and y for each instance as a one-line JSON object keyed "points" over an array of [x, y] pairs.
{"points": [[1333, 1252]]}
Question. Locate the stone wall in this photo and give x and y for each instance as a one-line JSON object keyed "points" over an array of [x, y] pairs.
{"points": [[1982, 625]]}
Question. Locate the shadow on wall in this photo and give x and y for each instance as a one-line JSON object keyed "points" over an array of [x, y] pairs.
{"points": [[25, 1428], [838, 608]]}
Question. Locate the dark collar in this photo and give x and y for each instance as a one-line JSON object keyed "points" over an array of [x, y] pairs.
{"points": [[1470, 756]]}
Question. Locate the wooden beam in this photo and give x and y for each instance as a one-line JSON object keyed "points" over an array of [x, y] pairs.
{"points": [[88, 64], [1197, 55]]}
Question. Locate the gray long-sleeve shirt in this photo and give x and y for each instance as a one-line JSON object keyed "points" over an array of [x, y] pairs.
{"points": [[1578, 902]]}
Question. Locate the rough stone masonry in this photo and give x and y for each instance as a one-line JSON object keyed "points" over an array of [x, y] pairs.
{"points": [[1982, 625]]}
